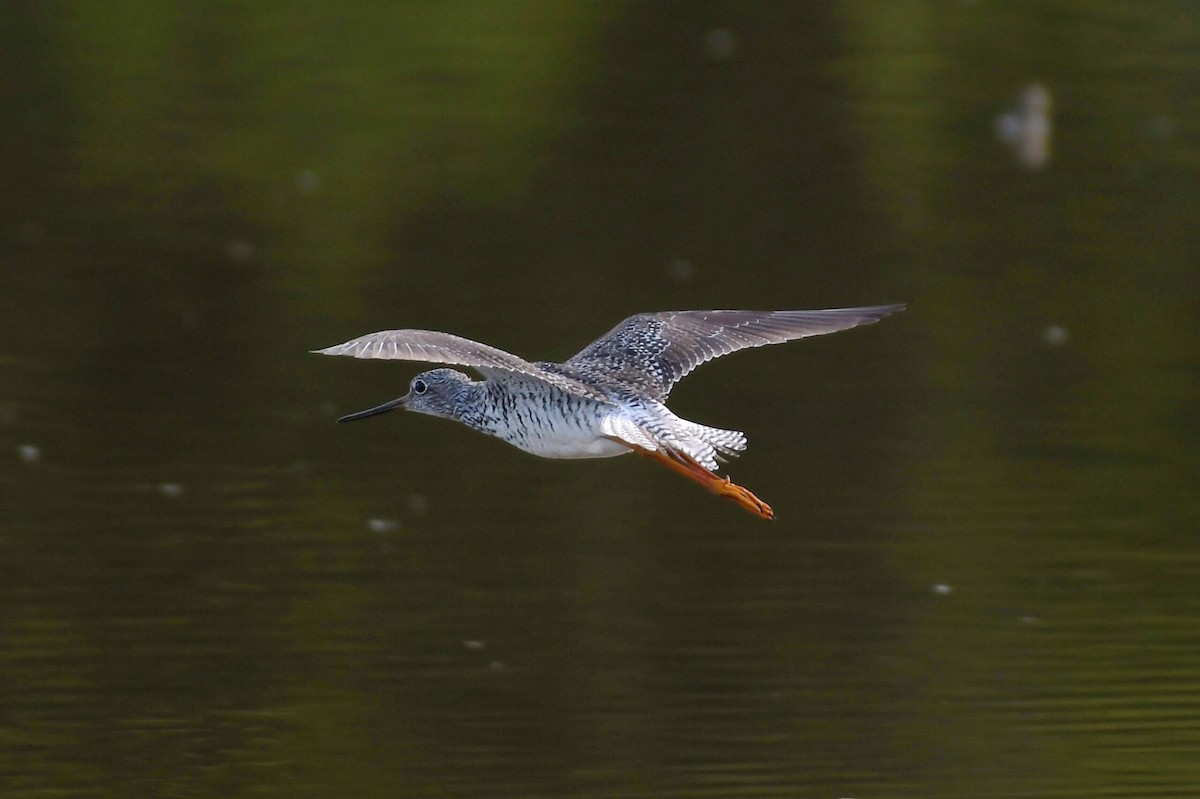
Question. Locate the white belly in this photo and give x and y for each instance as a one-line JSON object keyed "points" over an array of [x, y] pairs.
{"points": [[584, 445], [575, 429]]}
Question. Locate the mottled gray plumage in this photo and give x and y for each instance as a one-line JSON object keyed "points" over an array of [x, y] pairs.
{"points": [[606, 400], [435, 347], [652, 352]]}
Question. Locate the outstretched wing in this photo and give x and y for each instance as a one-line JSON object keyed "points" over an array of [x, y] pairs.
{"points": [[435, 347], [652, 352]]}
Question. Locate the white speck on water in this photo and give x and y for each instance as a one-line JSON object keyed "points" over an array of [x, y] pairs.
{"points": [[474, 644], [1029, 620], [720, 44], [942, 589], [240, 252], [681, 269], [170, 489], [382, 526], [1008, 128], [418, 504], [1055, 335], [1160, 128], [496, 665], [29, 453], [307, 181], [1027, 128]]}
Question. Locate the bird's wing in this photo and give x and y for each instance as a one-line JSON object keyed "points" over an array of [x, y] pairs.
{"points": [[652, 352], [435, 347]]}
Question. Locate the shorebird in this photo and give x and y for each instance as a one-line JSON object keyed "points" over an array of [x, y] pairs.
{"points": [[607, 400]]}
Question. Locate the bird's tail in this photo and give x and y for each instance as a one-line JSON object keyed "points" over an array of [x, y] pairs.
{"points": [[726, 442], [659, 428]]}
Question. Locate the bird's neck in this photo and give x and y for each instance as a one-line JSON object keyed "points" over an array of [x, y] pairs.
{"points": [[477, 405]]}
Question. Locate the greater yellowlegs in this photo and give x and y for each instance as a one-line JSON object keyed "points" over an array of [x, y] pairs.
{"points": [[608, 399]]}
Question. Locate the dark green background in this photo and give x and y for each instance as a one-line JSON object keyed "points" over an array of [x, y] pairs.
{"points": [[985, 576]]}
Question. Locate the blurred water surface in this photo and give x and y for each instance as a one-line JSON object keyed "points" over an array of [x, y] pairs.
{"points": [[984, 577]]}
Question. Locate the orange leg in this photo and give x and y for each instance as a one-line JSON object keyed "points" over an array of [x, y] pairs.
{"points": [[721, 486]]}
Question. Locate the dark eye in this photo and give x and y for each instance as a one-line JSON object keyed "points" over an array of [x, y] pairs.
{"points": [[419, 387]]}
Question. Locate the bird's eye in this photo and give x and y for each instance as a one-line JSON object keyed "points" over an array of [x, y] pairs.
{"points": [[420, 387]]}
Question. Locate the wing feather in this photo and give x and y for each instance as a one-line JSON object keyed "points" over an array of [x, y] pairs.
{"points": [[436, 347], [652, 352]]}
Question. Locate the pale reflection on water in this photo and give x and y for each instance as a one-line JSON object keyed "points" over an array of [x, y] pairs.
{"points": [[982, 578]]}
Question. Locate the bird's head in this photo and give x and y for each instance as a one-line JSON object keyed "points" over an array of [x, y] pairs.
{"points": [[438, 392]]}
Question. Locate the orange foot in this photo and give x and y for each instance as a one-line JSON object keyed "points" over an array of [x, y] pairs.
{"points": [[744, 497], [683, 464]]}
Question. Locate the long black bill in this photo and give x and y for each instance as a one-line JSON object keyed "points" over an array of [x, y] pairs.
{"points": [[378, 409]]}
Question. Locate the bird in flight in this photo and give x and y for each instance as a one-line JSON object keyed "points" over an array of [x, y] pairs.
{"points": [[607, 400]]}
